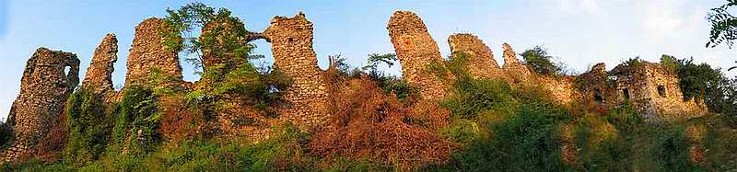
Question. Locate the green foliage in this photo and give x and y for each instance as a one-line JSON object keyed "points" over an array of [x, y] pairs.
{"points": [[703, 82], [137, 119], [723, 26], [388, 83], [722, 98], [538, 59], [374, 60], [89, 127], [672, 149], [6, 134], [229, 74], [695, 79], [472, 97]]}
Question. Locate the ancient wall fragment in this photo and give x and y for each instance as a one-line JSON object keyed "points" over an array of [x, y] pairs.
{"points": [[597, 90], [48, 79], [654, 90], [481, 61], [416, 51], [517, 71], [149, 51], [99, 74], [291, 45]]}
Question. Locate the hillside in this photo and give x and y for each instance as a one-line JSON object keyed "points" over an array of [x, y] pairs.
{"points": [[465, 112]]}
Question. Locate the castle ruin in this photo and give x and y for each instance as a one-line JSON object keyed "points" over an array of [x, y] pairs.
{"points": [[148, 52], [291, 45], [416, 50], [99, 77], [46, 83], [48, 80]]}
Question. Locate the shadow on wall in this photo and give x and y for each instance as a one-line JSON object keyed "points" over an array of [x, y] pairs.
{"points": [[3, 17]]}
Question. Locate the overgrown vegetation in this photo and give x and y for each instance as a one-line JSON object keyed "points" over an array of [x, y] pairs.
{"points": [[539, 61], [223, 54], [89, 127], [378, 123], [702, 82]]}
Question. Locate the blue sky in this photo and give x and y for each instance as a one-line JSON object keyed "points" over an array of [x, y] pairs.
{"points": [[579, 32]]}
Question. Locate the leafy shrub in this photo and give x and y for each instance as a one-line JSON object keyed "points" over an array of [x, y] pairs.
{"points": [[538, 59], [89, 127], [672, 149], [137, 121]]}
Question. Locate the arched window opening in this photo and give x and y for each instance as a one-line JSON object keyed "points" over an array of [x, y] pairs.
{"points": [[597, 96], [661, 91]]}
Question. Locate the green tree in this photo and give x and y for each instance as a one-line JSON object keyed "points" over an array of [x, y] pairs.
{"points": [[723, 26], [223, 52], [703, 82], [538, 59]]}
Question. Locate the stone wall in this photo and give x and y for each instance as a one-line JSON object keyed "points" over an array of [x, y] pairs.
{"points": [[99, 74], [517, 71], [291, 45], [654, 90], [148, 51], [481, 63], [48, 80], [596, 89], [416, 50]]}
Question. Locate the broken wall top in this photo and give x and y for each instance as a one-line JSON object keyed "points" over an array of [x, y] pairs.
{"points": [[416, 50], [149, 51], [99, 74]]}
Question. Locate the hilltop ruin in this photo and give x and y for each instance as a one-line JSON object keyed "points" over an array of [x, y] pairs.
{"points": [[45, 85]]}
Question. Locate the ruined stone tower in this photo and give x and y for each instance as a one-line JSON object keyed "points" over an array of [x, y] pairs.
{"points": [[48, 79], [481, 61], [654, 90], [416, 50], [99, 74], [291, 45], [148, 51]]}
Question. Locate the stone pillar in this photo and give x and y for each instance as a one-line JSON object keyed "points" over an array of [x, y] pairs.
{"points": [[291, 45], [517, 71], [99, 74], [149, 51], [481, 63], [416, 50], [48, 79]]}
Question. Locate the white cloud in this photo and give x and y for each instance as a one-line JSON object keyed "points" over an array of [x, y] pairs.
{"points": [[660, 20], [579, 6]]}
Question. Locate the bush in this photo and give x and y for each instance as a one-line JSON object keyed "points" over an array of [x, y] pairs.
{"points": [[137, 121], [538, 59], [473, 96], [89, 127]]}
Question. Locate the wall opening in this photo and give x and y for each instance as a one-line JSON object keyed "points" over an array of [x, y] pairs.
{"points": [[66, 70], [597, 96], [661, 91], [626, 93]]}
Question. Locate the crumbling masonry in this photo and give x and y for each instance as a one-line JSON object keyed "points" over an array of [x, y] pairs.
{"points": [[291, 45], [149, 51], [99, 74], [48, 80], [50, 76], [416, 51], [481, 63]]}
